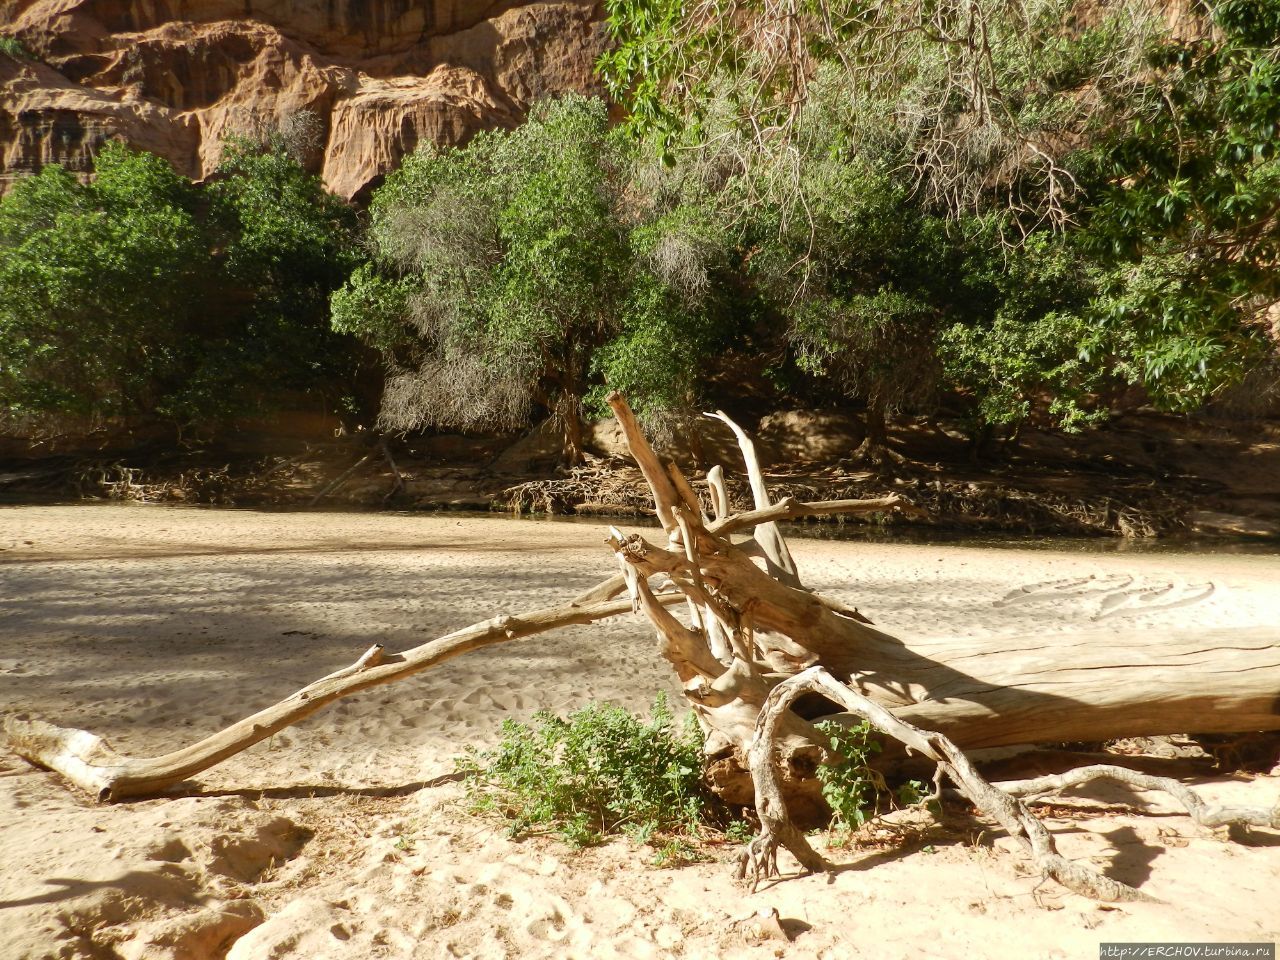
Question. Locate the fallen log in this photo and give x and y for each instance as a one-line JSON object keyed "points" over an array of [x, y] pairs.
{"points": [[785, 645], [979, 693]]}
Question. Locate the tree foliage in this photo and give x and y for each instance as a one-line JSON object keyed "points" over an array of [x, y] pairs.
{"points": [[140, 295], [1023, 205], [974, 104], [96, 289], [1188, 211], [516, 273], [862, 283], [1021, 210]]}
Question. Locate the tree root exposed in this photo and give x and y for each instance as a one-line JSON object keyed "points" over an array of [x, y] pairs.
{"points": [[1003, 804]]}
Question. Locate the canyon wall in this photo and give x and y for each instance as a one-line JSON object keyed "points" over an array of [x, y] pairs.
{"points": [[175, 77]]}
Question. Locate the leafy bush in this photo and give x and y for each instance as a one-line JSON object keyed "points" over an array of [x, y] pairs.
{"points": [[15, 48], [141, 296], [99, 286], [849, 785], [601, 771], [519, 272], [1189, 211]]}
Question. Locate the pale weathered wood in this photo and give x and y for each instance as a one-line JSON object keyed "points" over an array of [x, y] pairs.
{"points": [[777, 555], [791, 509], [719, 492], [341, 479], [1210, 816], [1003, 803], [91, 764], [1007, 690], [790, 642], [651, 467], [1088, 685]]}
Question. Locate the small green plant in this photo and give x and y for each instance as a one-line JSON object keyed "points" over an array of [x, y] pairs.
{"points": [[13, 47], [739, 831], [850, 786], [601, 771], [911, 794]]}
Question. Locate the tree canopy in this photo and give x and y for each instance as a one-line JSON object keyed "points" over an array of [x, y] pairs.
{"points": [[1027, 206], [1014, 211], [520, 272], [141, 295]]}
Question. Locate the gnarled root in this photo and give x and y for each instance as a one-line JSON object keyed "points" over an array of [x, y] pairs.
{"points": [[1206, 815], [760, 857]]}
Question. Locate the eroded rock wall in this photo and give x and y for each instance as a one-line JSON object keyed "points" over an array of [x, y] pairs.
{"points": [[176, 77]]}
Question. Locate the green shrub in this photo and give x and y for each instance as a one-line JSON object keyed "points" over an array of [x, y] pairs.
{"points": [[519, 273], [141, 296], [15, 48], [850, 786], [601, 771]]}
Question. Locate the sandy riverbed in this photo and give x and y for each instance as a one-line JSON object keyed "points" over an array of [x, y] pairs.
{"points": [[153, 626]]}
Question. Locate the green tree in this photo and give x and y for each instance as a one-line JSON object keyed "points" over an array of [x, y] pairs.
{"points": [[98, 285], [975, 105], [1038, 350], [863, 283], [512, 275], [140, 296], [1188, 213], [285, 245]]}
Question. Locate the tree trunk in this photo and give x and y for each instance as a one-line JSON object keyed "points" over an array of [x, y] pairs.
{"points": [[569, 412], [875, 443]]}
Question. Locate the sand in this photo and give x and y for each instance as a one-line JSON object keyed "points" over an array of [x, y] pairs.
{"points": [[344, 837]]}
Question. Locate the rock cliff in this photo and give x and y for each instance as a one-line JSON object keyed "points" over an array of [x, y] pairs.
{"points": [[177, 76]]}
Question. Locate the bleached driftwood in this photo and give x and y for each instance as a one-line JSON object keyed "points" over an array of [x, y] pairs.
{"points": [[91, 764], [789, 644]]}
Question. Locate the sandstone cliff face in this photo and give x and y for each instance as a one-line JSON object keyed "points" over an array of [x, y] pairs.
{"points": [[177, 76]]}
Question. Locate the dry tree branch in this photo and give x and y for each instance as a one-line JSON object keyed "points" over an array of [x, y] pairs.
{"points": [[1206, 815], [759, 859], [91, 764]]}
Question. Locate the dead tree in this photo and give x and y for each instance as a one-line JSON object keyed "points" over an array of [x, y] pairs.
{"points": [[762, 656], [759, 644]]}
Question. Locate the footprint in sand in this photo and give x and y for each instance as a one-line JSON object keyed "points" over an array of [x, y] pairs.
{"points": [[1109, 596]]}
